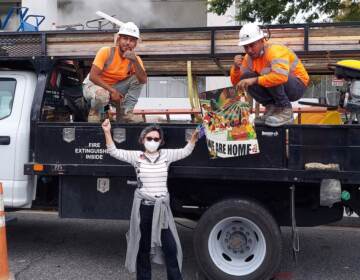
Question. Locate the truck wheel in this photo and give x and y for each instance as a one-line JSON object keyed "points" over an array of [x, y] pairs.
{"points": [[238, 240]]}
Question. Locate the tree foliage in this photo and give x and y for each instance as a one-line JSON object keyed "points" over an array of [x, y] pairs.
{"points": [[287, 11], [350, 11]]}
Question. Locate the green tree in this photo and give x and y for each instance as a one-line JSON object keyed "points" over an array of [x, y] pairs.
{"points": [[350, 11], [286, 11]]}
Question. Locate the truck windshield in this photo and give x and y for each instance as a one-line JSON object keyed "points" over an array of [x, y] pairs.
{"points": [[7, 93]]}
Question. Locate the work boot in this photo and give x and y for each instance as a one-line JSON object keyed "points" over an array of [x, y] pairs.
{"points": [[94, 116], [130, 117], [270, 110], [283, 115]]}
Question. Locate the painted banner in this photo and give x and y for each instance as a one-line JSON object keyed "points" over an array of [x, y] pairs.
{"points": [[226, 121]]}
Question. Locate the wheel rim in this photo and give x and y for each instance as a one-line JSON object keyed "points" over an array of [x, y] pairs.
{"points": [[237, 246]]}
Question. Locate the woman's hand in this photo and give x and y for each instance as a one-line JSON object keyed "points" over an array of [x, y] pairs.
{"points": [[106, 126], [194, 136]]}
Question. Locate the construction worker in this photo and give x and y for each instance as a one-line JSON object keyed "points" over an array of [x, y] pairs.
{"points": [[117, 76], [272, 74]]}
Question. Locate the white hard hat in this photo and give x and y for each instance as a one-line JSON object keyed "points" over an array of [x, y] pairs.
{"points": [[250, 33], [129, 29]]}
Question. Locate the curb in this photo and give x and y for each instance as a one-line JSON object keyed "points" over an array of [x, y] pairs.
{"points": [[351, 221]]}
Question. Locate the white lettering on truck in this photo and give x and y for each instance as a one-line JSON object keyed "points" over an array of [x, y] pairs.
{"points": [[92, 151]]}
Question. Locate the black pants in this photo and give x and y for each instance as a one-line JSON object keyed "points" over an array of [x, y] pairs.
{"points": [[280, 95], [143, 266]]}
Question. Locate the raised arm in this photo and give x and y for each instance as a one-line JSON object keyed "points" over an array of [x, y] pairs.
{"points": [[140, 72], [178, 154], [95, 74], [120, 154]]}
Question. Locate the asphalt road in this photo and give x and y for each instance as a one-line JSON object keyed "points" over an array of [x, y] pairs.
{"points": [[42, 246]]}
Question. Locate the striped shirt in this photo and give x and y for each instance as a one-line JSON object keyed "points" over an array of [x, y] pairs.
{"points": [[151, 170]]}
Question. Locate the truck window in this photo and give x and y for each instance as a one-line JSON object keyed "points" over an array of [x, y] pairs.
{"points": [[7, 93]]}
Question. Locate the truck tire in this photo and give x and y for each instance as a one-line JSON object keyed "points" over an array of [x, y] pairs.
{"points": [[238, 239]]}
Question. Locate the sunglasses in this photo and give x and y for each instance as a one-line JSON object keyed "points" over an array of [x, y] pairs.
{"points": [[156, 139]]}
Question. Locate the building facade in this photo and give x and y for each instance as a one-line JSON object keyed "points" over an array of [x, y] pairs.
{"points": [[145, 13]]}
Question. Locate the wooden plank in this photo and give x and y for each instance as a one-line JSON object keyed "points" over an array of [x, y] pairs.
{"points": [[175, 36], [275, 33], [78, 38], [334, 47], [203, 67], [237, 49], [183, 43], [286, 40], [334, 31], [325, 45], [334, 39]]}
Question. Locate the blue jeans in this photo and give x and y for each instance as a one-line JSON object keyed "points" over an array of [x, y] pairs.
{"points": [[143, 266], [131, 88], [280, 95]]}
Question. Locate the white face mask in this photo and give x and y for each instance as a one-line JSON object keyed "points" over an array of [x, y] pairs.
{"points": [[151, 146]]}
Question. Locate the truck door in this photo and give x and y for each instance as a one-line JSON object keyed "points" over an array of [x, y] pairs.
{"points": [[12, 91]]}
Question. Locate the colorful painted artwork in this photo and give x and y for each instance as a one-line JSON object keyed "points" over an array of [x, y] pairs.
{"points": [[226, 120]]}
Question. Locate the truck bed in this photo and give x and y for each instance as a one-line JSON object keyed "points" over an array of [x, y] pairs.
{"points": [[79, 149]]}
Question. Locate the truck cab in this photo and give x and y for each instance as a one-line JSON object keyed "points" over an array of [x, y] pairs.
{"points": [[17, 90]]}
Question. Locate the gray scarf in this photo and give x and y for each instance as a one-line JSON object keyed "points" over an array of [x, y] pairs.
{"points": [[162, 219]]}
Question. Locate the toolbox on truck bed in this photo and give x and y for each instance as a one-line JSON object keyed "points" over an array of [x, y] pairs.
{"points": [[78, 148]]}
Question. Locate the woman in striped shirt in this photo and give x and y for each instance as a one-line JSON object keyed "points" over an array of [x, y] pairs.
{"points": [[152, 225]]}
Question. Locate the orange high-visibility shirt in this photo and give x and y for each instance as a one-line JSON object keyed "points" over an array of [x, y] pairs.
{"points": [[273, 67], [118, 69]]}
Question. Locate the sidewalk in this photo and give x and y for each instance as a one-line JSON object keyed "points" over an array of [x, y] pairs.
{"points": [[348, 221]]}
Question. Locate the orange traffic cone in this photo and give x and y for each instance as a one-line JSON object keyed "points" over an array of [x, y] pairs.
{"points": [[4, 265]]}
